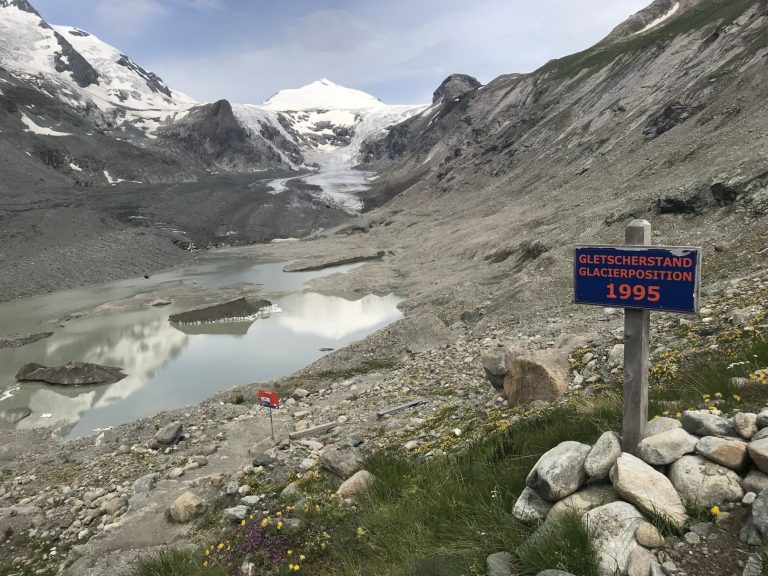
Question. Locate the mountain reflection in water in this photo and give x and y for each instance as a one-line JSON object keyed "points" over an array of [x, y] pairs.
{"points": [[169, 367]]}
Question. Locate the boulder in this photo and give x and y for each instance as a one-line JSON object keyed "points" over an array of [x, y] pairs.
{"points": [[704, 423], [235, 309], [560, 471], [705, 483], [648, 489], [70, 374], [236, 513], [613, 531], [530, 507], [499, 564], [762, 419], [342, 463], [496, 362], [554, 572], [760, 515], [616, 355], [755, 481], [659, 425], [760, 435], [540, 375], [666, 447], [746, 424], [639, 562], [603, 456], [168, 434], [186, 507], [582, 501], [729, 452], [758, 451], [360, 483], [648, 536]]}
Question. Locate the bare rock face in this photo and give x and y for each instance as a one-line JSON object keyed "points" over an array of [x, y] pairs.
{"points": [[539, 375], [454, 86], [71, 374]]}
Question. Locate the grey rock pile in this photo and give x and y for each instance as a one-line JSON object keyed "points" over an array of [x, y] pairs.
{"points": [[704, 459]]}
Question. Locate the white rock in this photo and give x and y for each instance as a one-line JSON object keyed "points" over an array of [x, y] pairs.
{"points": [[613, 530], [705, 483], [530, 507], [666, 447], [603, 456], [649, 490]]}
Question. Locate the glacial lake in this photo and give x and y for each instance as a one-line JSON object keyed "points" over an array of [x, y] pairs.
{"points": [[171, 366]]}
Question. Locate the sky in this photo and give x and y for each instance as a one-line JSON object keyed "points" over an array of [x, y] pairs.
{"points": [[397, 50]]}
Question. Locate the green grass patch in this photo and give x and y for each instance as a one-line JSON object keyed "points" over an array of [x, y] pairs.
{"points": [[444, 516], [602, 54], [174, 563]]}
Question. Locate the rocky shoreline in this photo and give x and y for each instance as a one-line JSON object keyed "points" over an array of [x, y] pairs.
{"points": [[65, 506]]}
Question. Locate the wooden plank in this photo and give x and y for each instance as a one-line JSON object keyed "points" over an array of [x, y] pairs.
{"points": [[637, 330], [400, 408], [314, 431]]}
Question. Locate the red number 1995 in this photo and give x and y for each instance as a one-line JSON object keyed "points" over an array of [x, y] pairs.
{"points": [[637, 292]]}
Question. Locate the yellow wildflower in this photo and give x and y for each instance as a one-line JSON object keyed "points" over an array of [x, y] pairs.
{"points": [[715, 511], [678, 415], [289, 552], [737, 397], [718, 395], [280, 525], [205, 564], [242, 523], [220, 546], [302, 557]]}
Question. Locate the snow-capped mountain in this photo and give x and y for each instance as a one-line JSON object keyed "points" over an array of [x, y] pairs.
{"points": [[78, 68], [68, 86], [328, 121], [322, 95]]}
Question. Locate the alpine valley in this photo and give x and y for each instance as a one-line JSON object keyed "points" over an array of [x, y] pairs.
{"points": [[409, 266]]}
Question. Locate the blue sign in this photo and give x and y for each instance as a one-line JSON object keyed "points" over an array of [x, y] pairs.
{"points": [[659, 278]]}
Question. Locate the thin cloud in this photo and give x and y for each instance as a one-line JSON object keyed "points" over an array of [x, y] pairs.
{"points": [[130, 19], [361, 47], [207, 4]]}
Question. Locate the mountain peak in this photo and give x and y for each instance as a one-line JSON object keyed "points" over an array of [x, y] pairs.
{"points": [[322, 94]]}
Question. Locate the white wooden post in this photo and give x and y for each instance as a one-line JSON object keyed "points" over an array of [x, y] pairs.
{"points": [[637, 332]]}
